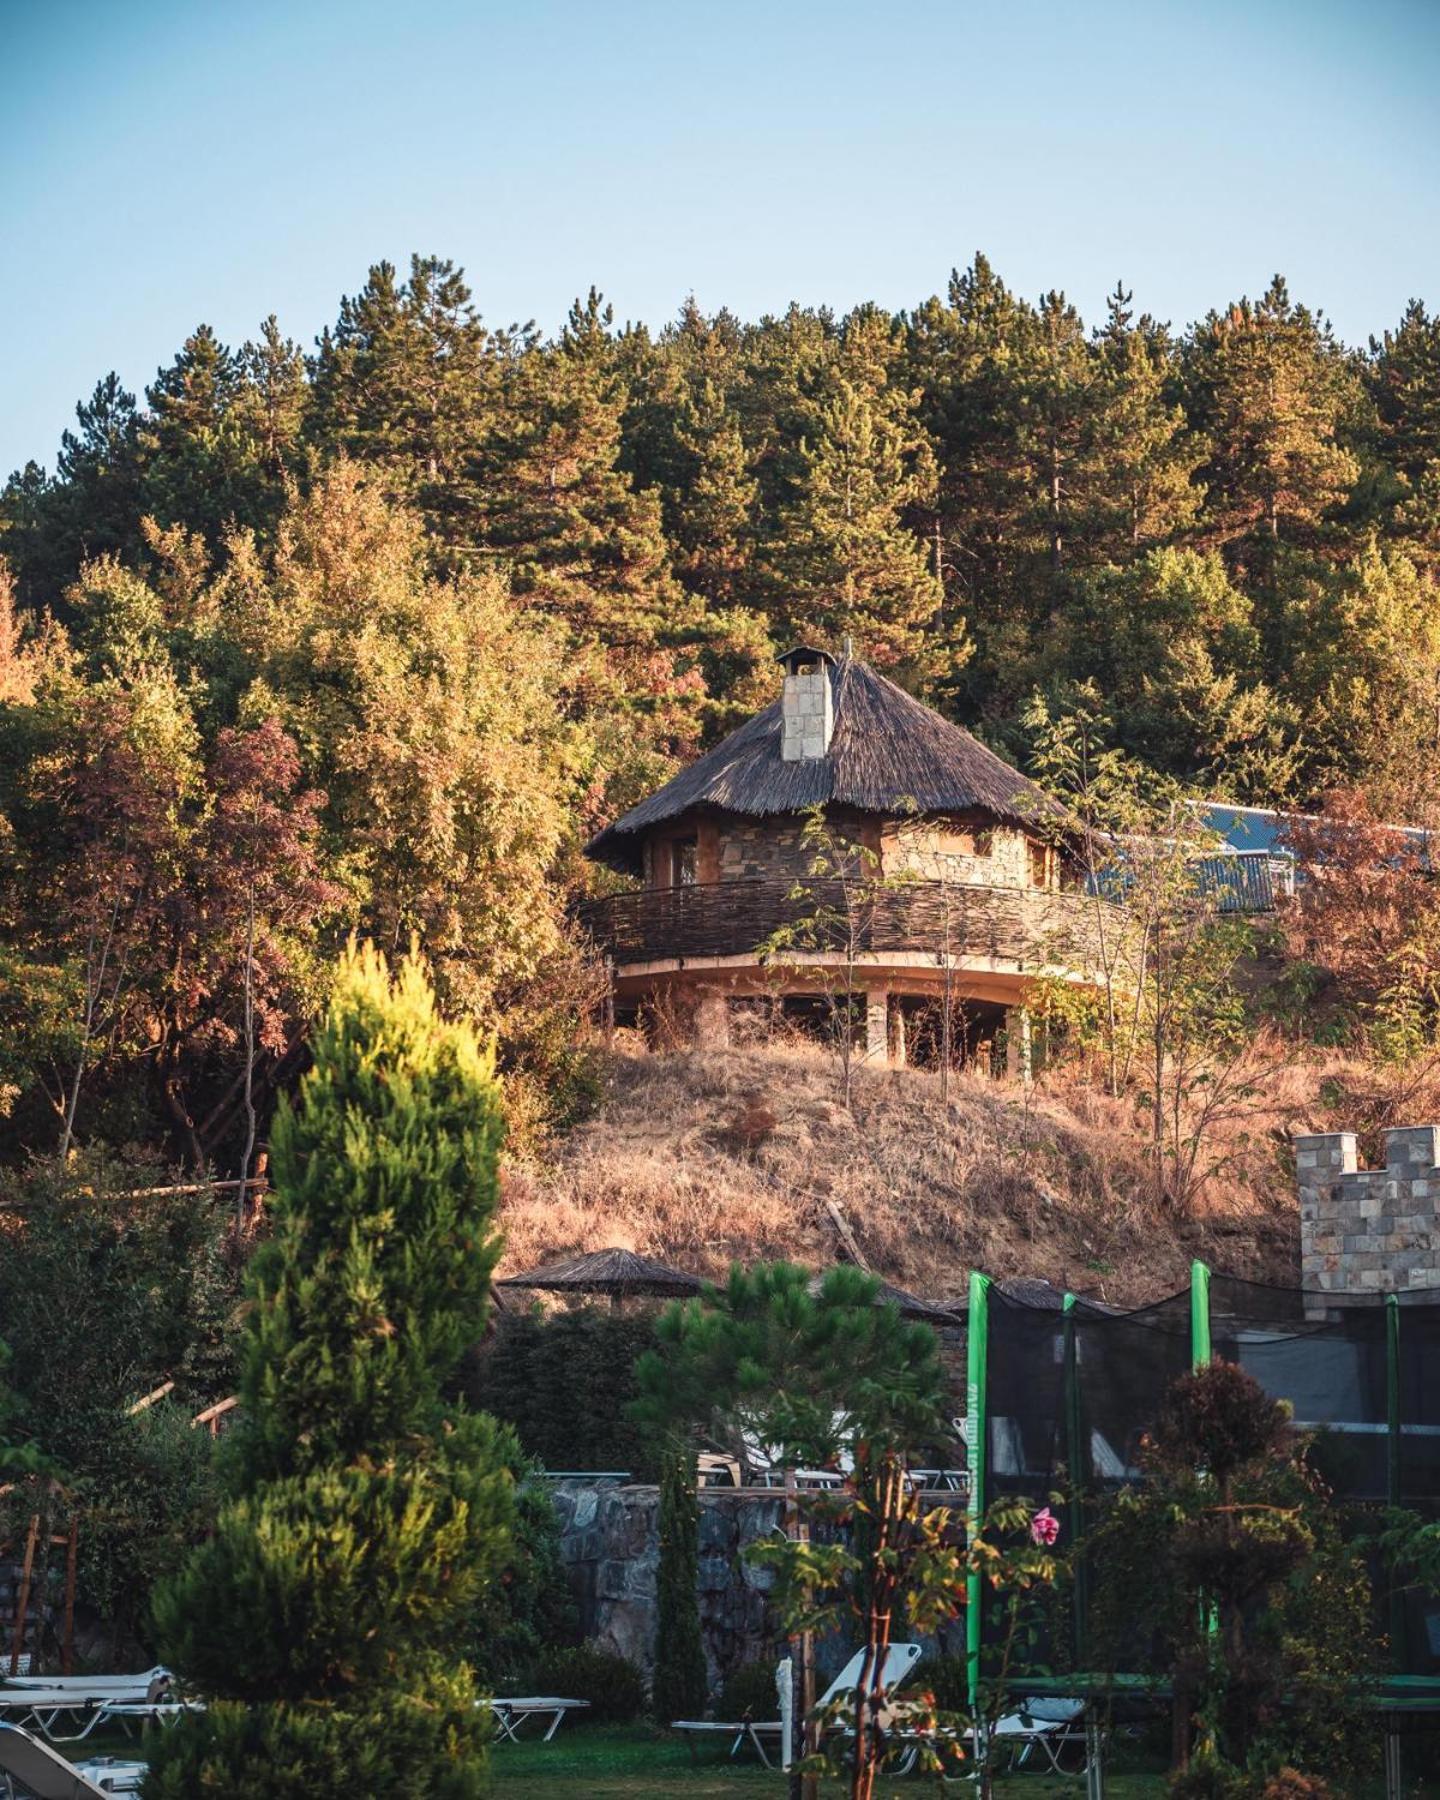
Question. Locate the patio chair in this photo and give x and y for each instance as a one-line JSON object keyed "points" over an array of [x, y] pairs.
{"points": [[899, 1660], [43, 1772]]}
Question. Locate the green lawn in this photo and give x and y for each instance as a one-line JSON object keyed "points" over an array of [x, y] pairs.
{"points": [[615, 1762]]}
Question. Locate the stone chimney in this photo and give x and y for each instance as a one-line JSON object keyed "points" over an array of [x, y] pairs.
{"points": [[1370, 1231], [807, 708]]}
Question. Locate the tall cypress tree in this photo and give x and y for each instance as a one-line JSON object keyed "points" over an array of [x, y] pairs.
{"points": [[680, 1681], [366, 1509]]}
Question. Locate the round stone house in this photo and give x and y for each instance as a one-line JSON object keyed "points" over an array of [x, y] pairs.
{"points": [[846, 841]]}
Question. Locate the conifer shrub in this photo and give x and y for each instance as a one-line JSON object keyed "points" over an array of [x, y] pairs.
{"points": [[325, 1618], [529, 1609], [566, 1383], [750, 1692], [611, 1685]]}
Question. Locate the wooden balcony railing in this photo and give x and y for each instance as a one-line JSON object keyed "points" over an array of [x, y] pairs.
{"points": [[1028, 927]]}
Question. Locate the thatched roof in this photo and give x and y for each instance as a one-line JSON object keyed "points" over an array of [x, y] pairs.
{"points": [[911, 1306], [889, 754], [607, 1272]]}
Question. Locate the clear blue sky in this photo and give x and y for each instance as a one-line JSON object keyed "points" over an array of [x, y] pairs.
{"points": [[164, 162]]}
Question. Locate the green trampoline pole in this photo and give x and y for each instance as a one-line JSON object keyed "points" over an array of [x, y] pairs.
{"points": [[1075, 1471], [1392, 1464], [976, 1433], [1201, 1357], [1200, 1354]]}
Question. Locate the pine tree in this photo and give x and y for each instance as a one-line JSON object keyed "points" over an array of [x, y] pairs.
{"points": [[1271, 389], [848, 559], [1144, 494], [367, 1509], [1404, 380], [195, 469], [92, 507], [405, 380], [962, 353], [271, 399], [711, 499], [549, 493], [680, 1678]]}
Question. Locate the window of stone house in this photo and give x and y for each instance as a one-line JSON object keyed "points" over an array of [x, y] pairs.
{"points": [[984, 840], [684, 861], [1039, 857]]}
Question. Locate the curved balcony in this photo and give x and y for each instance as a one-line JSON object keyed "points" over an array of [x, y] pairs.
{"points": [[1020, 928]]}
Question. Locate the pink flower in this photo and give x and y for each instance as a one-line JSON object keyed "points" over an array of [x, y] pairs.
{"points": [[1044, 1527]]}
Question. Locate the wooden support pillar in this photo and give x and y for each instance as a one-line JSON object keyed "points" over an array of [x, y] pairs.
{"points": [[1018, 1062], [877, 1026], [22, 1604], [896, 1026], [712, 1020]]}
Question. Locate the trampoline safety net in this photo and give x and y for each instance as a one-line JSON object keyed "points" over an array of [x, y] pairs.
{"points": [[1065, 1394]]}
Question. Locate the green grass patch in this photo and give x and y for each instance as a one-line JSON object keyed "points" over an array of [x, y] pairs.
{"points": [[618, 1762]]}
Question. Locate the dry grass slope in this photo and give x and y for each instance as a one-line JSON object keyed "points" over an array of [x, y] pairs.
{"points": [[700, 1158]]}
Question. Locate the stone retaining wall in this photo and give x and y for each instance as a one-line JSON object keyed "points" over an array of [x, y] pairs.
{"points": [[610, 1544]]}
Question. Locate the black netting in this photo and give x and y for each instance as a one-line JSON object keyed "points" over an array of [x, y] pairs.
{"points": [[1070, 1397], [1124, 1363], [1026, 1445], [1333, 1372], [1419, 1360]]}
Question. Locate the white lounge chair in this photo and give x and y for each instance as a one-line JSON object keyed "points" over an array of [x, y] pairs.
{"points": [[42, 1771], [147, 1712], [899, 1660], [99, 1687], [511, 1714], [1049, 1725], [55, 1712], [112, 1775]]}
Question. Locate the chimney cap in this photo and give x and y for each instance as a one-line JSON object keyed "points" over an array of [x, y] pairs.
{"points": [[803, 656]]}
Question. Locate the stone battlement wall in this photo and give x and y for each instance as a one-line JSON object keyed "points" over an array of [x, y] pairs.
{"points": [[1370, 1231]]}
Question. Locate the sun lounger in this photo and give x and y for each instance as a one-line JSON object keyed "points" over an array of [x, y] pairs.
{"points": [[899, 1660], [42, 1771], [1050, 1726], [112, 1775], [511, 1714], [55, 1712], [99, 1687], [147, 1712]]}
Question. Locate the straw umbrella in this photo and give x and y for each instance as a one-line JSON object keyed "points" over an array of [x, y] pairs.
{"points": [[619, 1273]]}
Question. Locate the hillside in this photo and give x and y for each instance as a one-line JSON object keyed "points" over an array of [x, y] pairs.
{"points": [[702, 1157]]}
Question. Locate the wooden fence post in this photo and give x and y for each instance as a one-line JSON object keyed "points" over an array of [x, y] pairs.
{"points": [[23, 1604]]}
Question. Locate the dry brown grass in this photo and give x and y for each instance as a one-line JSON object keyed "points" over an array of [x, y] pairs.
{"points": [[701, 1158]]}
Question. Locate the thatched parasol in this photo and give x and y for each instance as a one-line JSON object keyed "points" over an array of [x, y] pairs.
{"points": [[619, 1273], [911, 1305]]}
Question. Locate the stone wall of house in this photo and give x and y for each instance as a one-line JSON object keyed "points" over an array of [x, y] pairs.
{"points": [[1370, 1231], [610, 1544], [938, 851], [774, 849], [763, 849]]}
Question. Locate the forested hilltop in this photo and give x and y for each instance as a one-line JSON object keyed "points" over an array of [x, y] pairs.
{"points": [[371, 639]]}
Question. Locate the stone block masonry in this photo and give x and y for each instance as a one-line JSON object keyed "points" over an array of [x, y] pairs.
{"points": [[1368, 1232]]}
